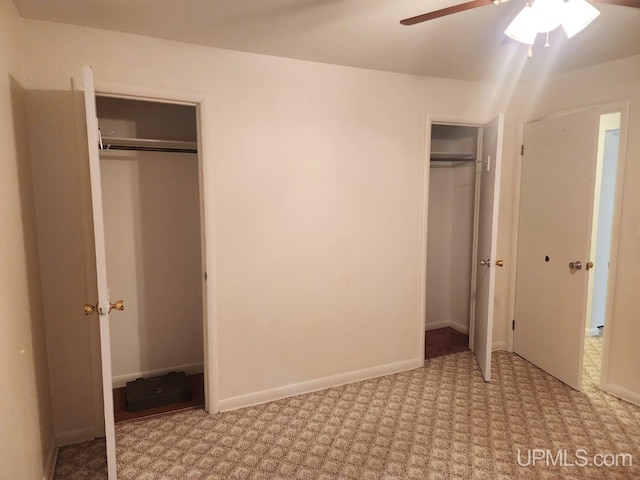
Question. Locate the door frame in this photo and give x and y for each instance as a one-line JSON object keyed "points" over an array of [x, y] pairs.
{"points": [[426, 175], [202, 103], [621, 106]]}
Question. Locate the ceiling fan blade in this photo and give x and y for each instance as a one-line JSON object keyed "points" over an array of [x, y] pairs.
{"points": [[622, 3], [461, 8]]}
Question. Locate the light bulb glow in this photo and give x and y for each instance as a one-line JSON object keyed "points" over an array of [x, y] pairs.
{"points": [[522, 28], [577, 15], [547, 14]]}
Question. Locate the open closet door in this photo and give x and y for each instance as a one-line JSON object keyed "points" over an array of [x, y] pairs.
{"points": [[489, 171], [103, 306]]}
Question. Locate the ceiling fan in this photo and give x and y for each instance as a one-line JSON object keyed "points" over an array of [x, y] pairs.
{"points": [[538, 16]]}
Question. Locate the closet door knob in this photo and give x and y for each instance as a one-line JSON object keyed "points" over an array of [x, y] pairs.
{"points": [[499, 263], [89, 309], [485, 263], [119, 305]]}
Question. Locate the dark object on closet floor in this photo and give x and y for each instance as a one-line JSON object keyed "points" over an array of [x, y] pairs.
{"points": [[120, 402], [444, 341], [157, 391]]}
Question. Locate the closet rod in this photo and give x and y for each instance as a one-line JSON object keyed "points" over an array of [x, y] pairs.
{"points": [[148, 145]]}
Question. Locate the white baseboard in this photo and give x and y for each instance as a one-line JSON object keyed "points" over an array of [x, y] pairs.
{"points": [[447, 323], [294, 389], [435, 325], [75, 436], [592, 332], [460, 328], [498, 346], [623, 393], [120, 381], [52, 458]]}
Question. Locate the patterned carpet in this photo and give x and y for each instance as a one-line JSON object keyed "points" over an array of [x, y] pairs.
{"points": [[438, 422]]}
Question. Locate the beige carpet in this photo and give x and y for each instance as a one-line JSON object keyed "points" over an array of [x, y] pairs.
{"points": [[438, 422]]}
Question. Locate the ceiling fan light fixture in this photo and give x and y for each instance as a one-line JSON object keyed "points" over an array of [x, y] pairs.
{"points": [[522, 28], [548, 14], [577, 15]]}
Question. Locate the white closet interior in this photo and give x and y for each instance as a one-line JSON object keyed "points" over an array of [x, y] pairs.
{"points": [[450, 239], [151, 197]]}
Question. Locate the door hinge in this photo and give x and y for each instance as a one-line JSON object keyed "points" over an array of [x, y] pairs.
{"points": [[205, 276], [522, 149], [513, 324]]}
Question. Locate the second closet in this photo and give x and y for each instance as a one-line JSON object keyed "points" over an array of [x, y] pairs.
{"points": [[452, 225]]}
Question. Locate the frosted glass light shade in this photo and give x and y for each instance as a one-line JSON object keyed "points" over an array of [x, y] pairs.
{"points": [[577, 15], [548, 14], [522, 28]]}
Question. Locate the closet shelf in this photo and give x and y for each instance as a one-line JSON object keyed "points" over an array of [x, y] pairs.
{"points": [[452, 157], [148, 145]]}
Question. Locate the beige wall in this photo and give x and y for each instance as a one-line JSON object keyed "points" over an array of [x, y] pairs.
{"points": [[26, 431], [605, 83], [314, 194]]}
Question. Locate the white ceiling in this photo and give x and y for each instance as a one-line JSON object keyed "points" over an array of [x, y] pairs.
{"points": [[359, 33]]}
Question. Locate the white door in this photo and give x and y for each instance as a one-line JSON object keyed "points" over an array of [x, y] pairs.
{"points": [[101, 267], [554, 238], [489, 198]]}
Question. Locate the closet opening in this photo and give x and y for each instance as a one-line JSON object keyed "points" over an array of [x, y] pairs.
{"points": [[154, 247], [452, 237]]}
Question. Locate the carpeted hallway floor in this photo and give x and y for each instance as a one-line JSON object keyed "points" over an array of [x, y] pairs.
{"points": [[438, 422]]}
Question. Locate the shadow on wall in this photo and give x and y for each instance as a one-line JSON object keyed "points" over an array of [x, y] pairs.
{"points": [[57, 146], [32, 274]]}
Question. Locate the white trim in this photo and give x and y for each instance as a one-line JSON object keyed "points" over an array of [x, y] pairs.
{"points": [[447, 323], [120, 381], [499, 345], [74, 436], [309, 386], [424, 218], [436, 325], [473, 284], [622, 393], [210, 309], [515, 225], [460, 327], [614, 250], [52, 460]]}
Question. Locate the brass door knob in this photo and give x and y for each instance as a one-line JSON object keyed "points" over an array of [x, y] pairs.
{"points": [[119, 305], [89, 309], [499, 263]]}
